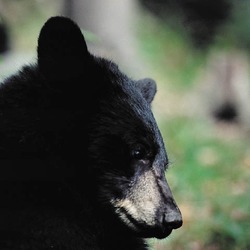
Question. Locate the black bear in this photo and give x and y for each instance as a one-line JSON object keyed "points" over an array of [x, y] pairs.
{"points": [[82, 160]]}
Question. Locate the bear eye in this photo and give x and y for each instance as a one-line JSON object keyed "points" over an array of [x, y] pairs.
{"points": [[139, 152]]}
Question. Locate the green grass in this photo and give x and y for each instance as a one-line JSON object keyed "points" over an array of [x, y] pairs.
{"points": [[211, 186]]}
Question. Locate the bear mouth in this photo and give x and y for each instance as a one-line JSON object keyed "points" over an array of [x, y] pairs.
{"points": [[162, 233], [142, 229], [158, 232]]}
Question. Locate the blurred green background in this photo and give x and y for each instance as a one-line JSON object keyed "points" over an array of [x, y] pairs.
{"points": [[201, 64]]}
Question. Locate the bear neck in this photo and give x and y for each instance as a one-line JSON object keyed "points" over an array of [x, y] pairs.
{"points": [[109, 230]]}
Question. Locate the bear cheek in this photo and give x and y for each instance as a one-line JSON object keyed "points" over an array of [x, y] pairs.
{"points": [[140, 206]]}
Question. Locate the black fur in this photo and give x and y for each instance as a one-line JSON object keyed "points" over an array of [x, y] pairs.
{"points": [[68, 128], [4, 37]]}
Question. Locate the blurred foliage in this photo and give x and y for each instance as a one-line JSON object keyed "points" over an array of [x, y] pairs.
{"points": [[170, 53], [236, 31], [24, 19], [211, 161]]}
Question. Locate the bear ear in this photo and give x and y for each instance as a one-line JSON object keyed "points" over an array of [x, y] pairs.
{"points": [[147, 87], [62, 50]]}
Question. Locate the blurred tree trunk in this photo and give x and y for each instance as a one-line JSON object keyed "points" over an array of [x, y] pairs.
{"points": [[113, 23]]}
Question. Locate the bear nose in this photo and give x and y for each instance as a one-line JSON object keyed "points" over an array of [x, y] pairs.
{"points": [[173, 219]]}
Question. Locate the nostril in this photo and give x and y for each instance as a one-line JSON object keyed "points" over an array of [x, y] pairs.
{"points": [[176, 224], [172, 220]]}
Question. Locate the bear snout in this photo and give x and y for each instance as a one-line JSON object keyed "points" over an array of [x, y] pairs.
{"points": [[172, 219], [167, 222]]}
